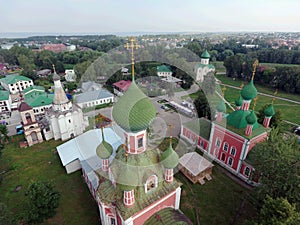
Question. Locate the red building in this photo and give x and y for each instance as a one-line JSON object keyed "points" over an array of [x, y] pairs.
{"points": [[230, 138], [121, 87], [54, 47]]}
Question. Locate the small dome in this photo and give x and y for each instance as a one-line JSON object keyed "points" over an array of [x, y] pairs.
{"points": [[269, 111], [239, 101], [128, 178], [221, 107], [249, 91], [104, 150], [251, 118], [169, 158], [134, 111], [205, 55]]}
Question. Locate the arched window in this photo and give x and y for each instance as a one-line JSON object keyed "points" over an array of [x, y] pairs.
{"points": [[151, 183], [247, 171], [225, 146], [230, 161], [223, 157], [232, 151]]}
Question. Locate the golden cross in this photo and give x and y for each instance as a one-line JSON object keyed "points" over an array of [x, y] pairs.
{"points": [[255, 64], [132, 45], [170, 127], [254, 103], [275, 93], [242, 85], [223, 91]]}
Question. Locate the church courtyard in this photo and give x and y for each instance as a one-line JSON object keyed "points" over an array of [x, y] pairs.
{"points": [[219, 201]]}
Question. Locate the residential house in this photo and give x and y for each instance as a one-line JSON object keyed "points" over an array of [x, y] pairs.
{"points": [[121, 87]]}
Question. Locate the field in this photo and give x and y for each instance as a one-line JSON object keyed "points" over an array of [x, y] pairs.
{"points": [[215, 203], [41, 162]]}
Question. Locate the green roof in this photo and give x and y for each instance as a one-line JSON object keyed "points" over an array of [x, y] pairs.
{"points": [[4, 95], [169, 158], [251, 118], [199, 126], [221, 107], [163, 68], [210, 66], [205, 55], [249, 91], [237, 119], [239, 101], [34, 87], [168, 216], [269, 111], [131, 172], [134, 111], [14, 78], [36, 98], [104, 150]]}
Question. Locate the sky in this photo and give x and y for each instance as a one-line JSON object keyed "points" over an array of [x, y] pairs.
{"points": [[115, 16]]}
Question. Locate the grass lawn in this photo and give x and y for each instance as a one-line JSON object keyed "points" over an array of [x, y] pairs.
{"points": [[217, 201], [41, 162]]}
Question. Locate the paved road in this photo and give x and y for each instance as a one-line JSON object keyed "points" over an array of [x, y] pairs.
{"points": [[12, 122]]}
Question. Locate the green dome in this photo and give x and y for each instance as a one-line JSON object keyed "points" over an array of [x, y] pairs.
{"points": [[134, 111], [169, 158], [205, 55], [249, 91], [128, 178], [251, 118], [269, 111], [104, 150], [239, 101], [221, 107]]}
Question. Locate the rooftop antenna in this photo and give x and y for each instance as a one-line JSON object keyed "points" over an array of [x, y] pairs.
{"points": [[223, 91], [132, 45]]}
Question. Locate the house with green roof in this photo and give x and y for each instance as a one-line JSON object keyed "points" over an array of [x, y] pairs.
{"points": [[38, 99], [203, 68], [15, 83], [164, 71], [5, 102]]}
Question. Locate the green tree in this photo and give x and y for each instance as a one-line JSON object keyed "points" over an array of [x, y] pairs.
{"points": [[202, 106], [277, 159], [6, 217], [3, 136], [42, 201]]}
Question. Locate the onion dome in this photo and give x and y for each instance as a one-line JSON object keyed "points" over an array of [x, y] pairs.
{"points": [[205, 55], [249, 91], [269, 111], [251, 118], [104, 150], [134, 111], [128, 178], [239, 101], [221, 107], [169, 158]]}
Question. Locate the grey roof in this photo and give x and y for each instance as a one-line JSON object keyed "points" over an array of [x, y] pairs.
{"points": [[83, 147], [90, 86], [92, 96], [194, 163]]}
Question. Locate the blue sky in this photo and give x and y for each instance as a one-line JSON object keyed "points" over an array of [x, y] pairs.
{"points": [[109, 16]]}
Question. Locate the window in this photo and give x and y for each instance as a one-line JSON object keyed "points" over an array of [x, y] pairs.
{"points": [[230, 161], [112, 221], [232, 151], [69, 121], [218, 142], [223, 157], [247, 171], [140, 142], [225, 147], [201, 143], [151, 183]]}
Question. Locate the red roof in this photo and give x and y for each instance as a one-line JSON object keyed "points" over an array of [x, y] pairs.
{"points": [[24, 107], [123, 85], [54, 47]]}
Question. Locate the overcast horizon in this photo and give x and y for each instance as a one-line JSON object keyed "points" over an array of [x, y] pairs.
{"points": [[113, 17]]}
